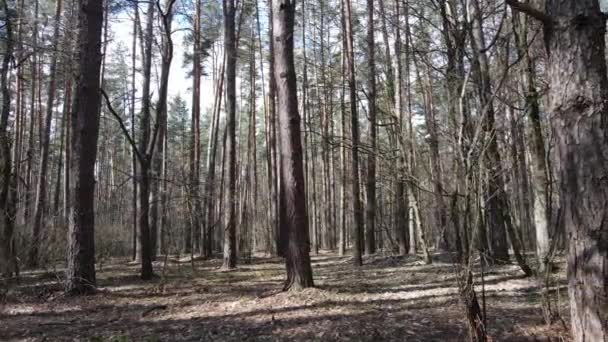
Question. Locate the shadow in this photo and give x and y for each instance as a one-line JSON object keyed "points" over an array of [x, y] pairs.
{"points": [[376, 320], [242, 305]]}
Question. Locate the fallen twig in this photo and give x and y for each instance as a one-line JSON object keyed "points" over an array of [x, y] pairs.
{"points": [[153, 308]]}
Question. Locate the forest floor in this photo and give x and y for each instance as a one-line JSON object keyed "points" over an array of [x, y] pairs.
{"points": [[388, 299]]}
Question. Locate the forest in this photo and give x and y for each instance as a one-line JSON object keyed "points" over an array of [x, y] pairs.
{"points": [[303, 170]]}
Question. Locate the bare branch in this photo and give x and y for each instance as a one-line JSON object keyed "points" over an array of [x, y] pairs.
{"points": [[529, 10], [124, 129]]}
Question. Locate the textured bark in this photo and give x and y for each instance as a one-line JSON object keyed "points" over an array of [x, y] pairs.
{"points": [[475, 319], [41, 191], [33, 115], [193, 234], [7, 209], [416, 228], [497, 208], [134, 160], [273, 137], [19, 130], [401, 197], [342, 243], [156, 210], [578, 96], [210, 220], [357, 207], [578, 99], [67, 160], [297, 259], [230, 53], [80, 272], [370, 210], [309, 176], [540, 178], [145, 145], [62, 143]]}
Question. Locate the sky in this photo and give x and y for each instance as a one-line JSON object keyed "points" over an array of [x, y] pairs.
{"points": [[121, 28]]}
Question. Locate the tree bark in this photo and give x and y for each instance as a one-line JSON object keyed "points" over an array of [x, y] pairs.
{"points": [[578, 99], [33, 111], [80, 272], [146, 146], [540, 178], [7, 204], [231, 53], [161, 117], [136, 255], [357, 207], [41, 191], [297, 259], [574, 38], [370, 210], [496, 204]]}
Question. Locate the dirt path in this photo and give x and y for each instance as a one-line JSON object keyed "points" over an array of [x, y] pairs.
{"points": [[389, 299]]}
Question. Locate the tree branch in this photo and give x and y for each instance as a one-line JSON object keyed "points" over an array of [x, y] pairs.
{"points": [[124, 129], [529, 10]]}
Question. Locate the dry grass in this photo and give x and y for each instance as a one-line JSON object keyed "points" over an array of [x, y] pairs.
{"points": [[388, 299]]}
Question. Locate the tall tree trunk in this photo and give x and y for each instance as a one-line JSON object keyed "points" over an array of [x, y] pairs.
{"points": [[20, 120], [308, 176], [193, 236], [401, 197], [146, 144], [540, 177], [136, 255], [33, 111], [230, 53], [416, 228], [41, 192], [496, 205], [80, 273], [297, 259], [370, 210], [7, 204], [66, 108], [273, 137], [578, 96], [342, 243], [161, 118], [210, 221], [436, 176], [357, 208]]}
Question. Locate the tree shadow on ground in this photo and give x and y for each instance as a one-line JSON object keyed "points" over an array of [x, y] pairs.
{"points": [[361, 304], [379, 320]]}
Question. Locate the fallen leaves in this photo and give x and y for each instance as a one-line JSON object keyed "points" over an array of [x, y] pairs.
{"points": [[389, 298]]}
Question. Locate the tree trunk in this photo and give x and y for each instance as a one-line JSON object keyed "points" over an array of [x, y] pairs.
{"points": [[496, 204], [370, 210], [41, 192], [136, 255], [578, 98], [342, 243], [7, 204], [146, 144], [297, 259], [357, 208], [210, 221], [231, 54], [161, 118], [33, 110], [80, 272], [193, 236], [401, 197], [540, 178], [273, 136]]}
